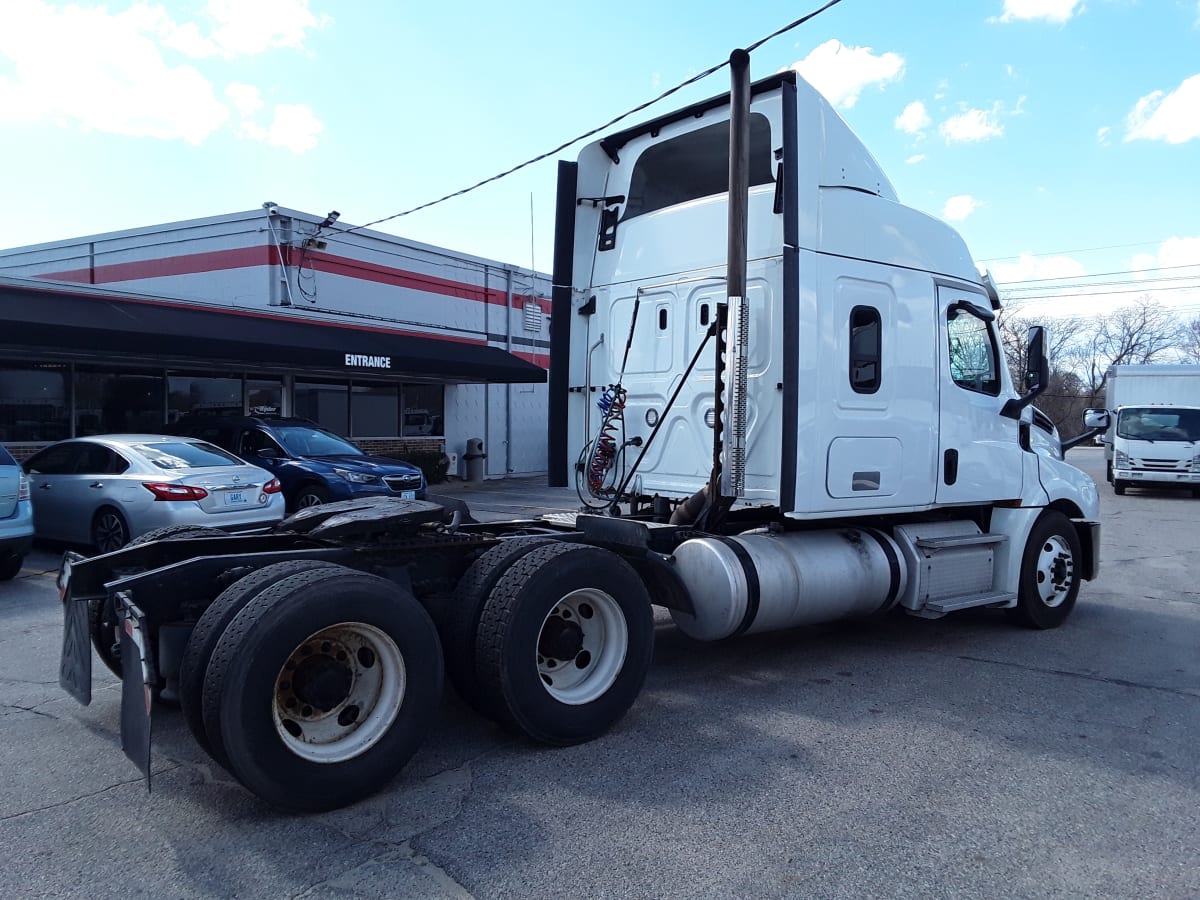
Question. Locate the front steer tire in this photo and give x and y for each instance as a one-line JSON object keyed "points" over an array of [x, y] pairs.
{"points": [[323, 686], [1050, 573], [204, 637], [564, 643]]}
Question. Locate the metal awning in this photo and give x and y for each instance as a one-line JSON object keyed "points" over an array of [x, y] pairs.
{"points": [[61, 320]]}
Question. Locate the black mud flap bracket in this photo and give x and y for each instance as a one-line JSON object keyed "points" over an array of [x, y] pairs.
{"points": [[138, 679], [75, 664]]}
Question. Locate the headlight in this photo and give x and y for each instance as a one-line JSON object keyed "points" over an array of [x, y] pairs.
{"points": [[357, 477], [1120, 460]]}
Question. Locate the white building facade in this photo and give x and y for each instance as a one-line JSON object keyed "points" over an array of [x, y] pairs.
{"points": [[398, 345]]}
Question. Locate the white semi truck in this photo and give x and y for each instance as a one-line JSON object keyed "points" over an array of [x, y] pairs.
{"points": [[785, 401], [1152, 436]]}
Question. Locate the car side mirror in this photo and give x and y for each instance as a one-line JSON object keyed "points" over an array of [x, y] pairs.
{"points": [[268, 453]]}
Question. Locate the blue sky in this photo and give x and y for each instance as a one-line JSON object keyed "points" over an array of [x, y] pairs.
{"points": [[1062, 137]]}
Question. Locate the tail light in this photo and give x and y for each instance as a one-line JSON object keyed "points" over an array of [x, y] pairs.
{"points": [[167, 491], [23, 490], [272, 487]]}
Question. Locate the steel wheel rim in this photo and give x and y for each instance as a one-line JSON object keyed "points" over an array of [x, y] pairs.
{"points": [[356, 674], [1055, 571], [110, 533], [304, 501], [591, 622]]}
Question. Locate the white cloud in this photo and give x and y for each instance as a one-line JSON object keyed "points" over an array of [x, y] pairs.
{"points": [[1172, 117], [842, 73], [1050, 10], [913, 160], [972, 125], [89, 67], [294, 128], [959, 207], [1028, 267], [914, 119], [1104, 136]]}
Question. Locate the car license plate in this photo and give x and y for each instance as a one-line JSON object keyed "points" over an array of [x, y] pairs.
{"points": [[408, 495], [236, 498]]}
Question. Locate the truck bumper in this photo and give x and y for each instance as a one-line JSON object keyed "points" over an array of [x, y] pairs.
{"points": [[1145, 476]]}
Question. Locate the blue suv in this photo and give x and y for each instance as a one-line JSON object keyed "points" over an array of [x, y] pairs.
{"points": [[16, 517], [314, 465]]}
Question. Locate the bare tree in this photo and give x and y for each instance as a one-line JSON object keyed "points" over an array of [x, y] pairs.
{"points": [[1132, 335], [1062, 335], [1190, 343]]}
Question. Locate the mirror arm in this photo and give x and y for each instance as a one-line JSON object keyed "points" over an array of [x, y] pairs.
{"points": [[1080, 438]]}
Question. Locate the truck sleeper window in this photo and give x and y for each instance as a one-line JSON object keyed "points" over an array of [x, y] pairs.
{"points": [[972, 353], [695, 165]]}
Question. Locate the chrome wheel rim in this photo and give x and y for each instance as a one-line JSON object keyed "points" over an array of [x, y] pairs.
{"points": [[110, 533], [582, 646], [1055, 571], [339, 692]]}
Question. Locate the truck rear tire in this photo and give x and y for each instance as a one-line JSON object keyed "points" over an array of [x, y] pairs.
{"points": [[564, 643], [1050, 573], [177, 533], [460, 623], [212, 624], [324, 686]]}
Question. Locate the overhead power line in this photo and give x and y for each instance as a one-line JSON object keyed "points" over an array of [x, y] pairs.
{"points": [[611, 122], [1024, 281], [1076, 250]]}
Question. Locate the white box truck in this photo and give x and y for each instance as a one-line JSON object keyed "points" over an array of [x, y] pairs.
{"points": [[1153, 433], [787, 404]]}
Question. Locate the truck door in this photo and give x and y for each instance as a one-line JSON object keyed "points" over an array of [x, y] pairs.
{"points": [[980, 459]]}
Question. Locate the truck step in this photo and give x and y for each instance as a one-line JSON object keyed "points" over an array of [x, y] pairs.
{"points": [[959, 540], [954, 604]]}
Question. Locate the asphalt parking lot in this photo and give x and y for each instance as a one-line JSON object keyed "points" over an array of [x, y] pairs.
{"points": [[958, 757]]}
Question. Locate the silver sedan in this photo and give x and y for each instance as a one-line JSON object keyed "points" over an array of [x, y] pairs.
{"points": [[108, 489]]}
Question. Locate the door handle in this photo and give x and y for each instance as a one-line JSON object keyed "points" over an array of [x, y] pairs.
{"points": [[43, 487], [96, 484]]}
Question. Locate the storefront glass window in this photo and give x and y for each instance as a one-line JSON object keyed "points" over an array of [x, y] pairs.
{"points": [[203, 395], [327, 404], [112, 403], [424, 410], [34, 404], [264, 396], [375, 410]]}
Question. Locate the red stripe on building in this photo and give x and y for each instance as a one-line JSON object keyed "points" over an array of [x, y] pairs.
{"points": [[267, 255]]}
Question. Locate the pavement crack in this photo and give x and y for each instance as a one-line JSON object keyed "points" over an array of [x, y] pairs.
{"points": [[1102, 679], [29, 709], [61, 803]]}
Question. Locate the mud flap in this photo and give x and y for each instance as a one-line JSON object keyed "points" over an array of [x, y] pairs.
{"points": [[75, 665], [137, 679]]}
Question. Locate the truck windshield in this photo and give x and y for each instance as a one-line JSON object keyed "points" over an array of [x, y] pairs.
{"points": [[1159, 424]]}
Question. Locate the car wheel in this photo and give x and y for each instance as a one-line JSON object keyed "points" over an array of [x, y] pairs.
{"points": [[1119, 487], [109, 530], [324, 686], [11, 567], [203, 639], [1050, 573], [310, 495]]}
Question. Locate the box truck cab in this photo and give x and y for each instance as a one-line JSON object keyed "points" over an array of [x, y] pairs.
{"points": [[1152, 426]]}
